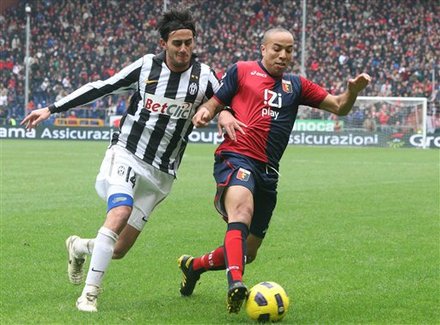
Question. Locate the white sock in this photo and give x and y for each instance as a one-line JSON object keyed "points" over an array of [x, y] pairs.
{"points": [[83, 246], [102, 254]]}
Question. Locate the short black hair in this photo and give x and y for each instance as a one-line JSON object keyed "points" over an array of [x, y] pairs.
{"points": [[173, 20], [273, 30]]}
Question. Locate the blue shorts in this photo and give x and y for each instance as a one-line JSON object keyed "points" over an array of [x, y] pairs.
{"points": [[262, 180]]}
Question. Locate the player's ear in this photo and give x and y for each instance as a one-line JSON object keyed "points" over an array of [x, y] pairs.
{"points": [[163, 43], [263, 49]]}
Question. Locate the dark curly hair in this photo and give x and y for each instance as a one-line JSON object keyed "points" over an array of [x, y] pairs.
{"points": [[173, 20]]}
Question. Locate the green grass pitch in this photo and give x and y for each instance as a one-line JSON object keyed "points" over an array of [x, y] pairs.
{"points": [[354, 238]]}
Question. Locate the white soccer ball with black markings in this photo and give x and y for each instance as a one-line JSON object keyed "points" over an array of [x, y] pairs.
{"points": [[267, 302]]}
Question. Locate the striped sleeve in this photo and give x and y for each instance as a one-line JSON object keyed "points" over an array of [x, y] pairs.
{"points": [[212, 86], [228, 86], [123, 81]]}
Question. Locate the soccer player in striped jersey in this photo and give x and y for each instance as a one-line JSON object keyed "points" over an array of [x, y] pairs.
{"points": [[140, 165], [264, 100]]}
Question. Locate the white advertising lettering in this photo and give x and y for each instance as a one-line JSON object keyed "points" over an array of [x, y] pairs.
{"points": [[258, 74], [272, 100], [416, 140], [167, 106], [340, 139], [205, 137], [17, 133], [268, 112], [75, 134]]}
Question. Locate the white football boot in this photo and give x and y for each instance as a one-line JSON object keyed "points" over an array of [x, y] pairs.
{"points": [[88, 301], [75, 265]]}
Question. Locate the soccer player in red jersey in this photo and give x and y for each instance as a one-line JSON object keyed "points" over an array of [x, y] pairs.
{"points": [[264, 100]]}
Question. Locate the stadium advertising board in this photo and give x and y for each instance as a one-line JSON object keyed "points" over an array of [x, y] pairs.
{"points": [[317, 125], [57, 133], [210, 135]]}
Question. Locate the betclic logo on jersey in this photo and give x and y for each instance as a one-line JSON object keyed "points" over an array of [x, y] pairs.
{"points": [[168, 106]]}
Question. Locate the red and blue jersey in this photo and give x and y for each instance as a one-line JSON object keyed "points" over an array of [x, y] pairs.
{"points": [[267, 105]]}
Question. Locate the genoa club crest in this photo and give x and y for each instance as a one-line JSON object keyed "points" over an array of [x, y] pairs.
{"points": [[287, 86], [243, 174]]}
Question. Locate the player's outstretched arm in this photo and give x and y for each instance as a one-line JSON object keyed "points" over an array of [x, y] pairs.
{"points": [[343, 103], [35, 118]]}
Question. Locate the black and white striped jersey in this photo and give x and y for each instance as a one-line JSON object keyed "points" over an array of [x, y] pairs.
{"points": [[157, 123]]}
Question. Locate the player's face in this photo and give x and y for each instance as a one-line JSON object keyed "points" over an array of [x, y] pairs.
{"points": [[179, 48], [277, 52]]}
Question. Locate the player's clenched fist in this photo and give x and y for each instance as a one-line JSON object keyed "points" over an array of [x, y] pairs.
{"points": [[202, 117], [359, 83]]}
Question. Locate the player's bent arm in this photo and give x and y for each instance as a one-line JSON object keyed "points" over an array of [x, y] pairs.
{"points": [[342, 104], [206, 112], [214, 106]]}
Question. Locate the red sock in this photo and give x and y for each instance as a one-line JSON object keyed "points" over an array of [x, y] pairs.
{"points": [[214, 260], [235, 250]]}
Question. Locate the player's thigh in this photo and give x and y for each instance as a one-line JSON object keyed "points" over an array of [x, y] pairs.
{"points": [[117, 178], [239, 204], [152, 187], [235, 185], [265, 202]]}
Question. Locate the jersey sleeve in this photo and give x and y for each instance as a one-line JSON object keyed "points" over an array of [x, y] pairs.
{"points": [[228, 86], [311, 94], [121, 82], [213, 85]]}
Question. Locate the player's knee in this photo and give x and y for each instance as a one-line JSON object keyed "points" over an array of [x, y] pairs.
{"points": [[119, 214], [241, 214], [245, 212], [123, 211]]}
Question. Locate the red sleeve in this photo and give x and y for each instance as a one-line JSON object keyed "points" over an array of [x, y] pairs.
{"points": [[311, 94]]}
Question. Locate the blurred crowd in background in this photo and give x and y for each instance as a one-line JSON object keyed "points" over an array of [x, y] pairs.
{"points": [[74, 42]]}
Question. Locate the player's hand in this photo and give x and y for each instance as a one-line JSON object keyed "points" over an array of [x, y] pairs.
{"points": [[228, 123], [202, 117], [35, 118], [359, 83]]}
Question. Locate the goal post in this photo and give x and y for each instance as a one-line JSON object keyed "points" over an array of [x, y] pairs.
{"points": [[415, 112], [374, 121]]}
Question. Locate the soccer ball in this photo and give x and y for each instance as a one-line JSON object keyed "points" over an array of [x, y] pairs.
{"points": [[267, 302]]}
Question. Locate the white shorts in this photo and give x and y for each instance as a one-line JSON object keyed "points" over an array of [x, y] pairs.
{"points": [[123, 173]]}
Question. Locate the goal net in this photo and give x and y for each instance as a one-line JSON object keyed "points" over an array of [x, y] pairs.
{"points": [[373, 121]]}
